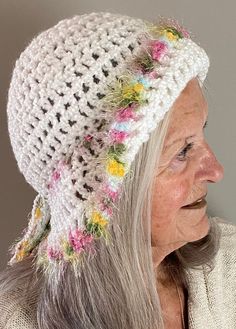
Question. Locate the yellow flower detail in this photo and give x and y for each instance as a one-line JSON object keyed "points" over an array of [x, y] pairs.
{"points": [[97, 218], [38, 213], [115, 168], [22, 250], [171, 36], [67, 248], [138, 87], [68, 252], [128, 91]]}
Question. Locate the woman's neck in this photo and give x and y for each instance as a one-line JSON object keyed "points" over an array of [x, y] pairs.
{"points": [[173, 302]]}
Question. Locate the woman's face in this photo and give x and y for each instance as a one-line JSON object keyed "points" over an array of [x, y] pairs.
{"points": [[183, 175]]}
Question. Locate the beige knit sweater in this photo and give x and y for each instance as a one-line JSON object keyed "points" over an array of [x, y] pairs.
{"points": [[212, 298]]}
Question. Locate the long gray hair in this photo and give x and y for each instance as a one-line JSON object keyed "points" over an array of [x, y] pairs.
{"points": [[117, 289]]}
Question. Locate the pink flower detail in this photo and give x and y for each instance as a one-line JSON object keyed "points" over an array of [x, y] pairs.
{"points": [[118, 136], [153, 74], [106, 208], [109, 211], [185, 33], [126, 113], [88, 138], [54, 254], [112, 194], [80, 240], [55, 177], [56, 174], [61, 165], [159, 49]]}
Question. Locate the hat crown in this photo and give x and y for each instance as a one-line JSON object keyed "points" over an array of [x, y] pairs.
{"points": [[57, 86]]}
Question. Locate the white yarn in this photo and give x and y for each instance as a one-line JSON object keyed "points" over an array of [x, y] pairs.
{"points": [[56, 96]]}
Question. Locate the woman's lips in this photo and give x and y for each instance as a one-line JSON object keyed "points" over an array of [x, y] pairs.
{"points": [[197, 205]]}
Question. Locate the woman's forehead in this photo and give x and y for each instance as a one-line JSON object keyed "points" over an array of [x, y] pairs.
{"points": [[191, 98], [189, 112]]}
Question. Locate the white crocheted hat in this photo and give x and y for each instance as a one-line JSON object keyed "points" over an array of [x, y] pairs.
{"points": [[84, 96]]}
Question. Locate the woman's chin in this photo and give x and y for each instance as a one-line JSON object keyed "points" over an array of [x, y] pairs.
{"points": [[200, 228]]}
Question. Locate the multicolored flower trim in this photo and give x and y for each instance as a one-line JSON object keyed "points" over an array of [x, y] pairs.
{"points": [[78, 241], [168, 28], [124, 98], [38, 228]]}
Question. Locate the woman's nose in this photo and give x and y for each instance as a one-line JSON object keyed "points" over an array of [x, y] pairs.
{"points": [[211, 169]]}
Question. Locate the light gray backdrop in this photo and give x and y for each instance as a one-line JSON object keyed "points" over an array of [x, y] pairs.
{"points": [[213, 26]]}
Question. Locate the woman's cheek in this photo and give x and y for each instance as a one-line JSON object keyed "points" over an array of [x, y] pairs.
{"points": [[179, 193], [172, 191], [173, 185]]}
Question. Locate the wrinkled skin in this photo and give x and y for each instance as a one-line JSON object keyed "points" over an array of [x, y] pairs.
{"points": [[180, 179]]}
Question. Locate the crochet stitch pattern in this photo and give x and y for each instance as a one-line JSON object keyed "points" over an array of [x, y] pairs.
{"points": [[91, 98]]}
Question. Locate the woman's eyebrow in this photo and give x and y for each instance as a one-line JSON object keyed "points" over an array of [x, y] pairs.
{"points": [[182, 138]]}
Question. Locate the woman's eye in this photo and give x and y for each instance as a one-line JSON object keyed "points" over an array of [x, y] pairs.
{"points": [[182, 155]]}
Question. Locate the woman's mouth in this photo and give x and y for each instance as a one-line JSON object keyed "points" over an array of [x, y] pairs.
{"points": [[196, 205]]}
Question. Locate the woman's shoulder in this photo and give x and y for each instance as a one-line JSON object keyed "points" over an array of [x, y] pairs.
{"points": [[213, 288], [15, 315], [226, 224], [228, 231], [226, 256]]}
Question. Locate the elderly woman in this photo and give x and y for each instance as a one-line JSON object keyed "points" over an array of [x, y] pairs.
{"points": [[106, 119]]}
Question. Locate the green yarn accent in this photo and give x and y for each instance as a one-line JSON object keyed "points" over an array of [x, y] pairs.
{"points": [[35, 241], [69, 250], [116, 158], [175, 32], [145, 62], [87, 144], [119, 96], [95, 229], [41, 237], [133, 98], [117, 150], [156, 30]]}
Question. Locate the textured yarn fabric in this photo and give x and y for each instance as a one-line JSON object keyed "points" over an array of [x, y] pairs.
{"points": [[212, 297], [60, 126]]}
